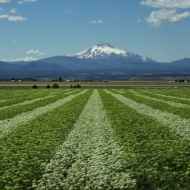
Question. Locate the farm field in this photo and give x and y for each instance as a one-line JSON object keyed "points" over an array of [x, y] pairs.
{"points": [[95, 139], [93, 84]]}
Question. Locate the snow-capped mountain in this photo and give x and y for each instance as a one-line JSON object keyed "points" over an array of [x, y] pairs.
{"points": [[106, 51], [98, 62]]}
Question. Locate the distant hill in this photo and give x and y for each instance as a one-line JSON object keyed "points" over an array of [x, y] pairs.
{"points": [[182, 62], [101, 57], [38, 65]]}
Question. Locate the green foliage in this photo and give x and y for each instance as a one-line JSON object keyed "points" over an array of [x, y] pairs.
{"points": [[48, 86], [23, 149], [55, 86], [182, 112], [156, 157], [12, 111], [78, 86], [34, 86], [19, 96], [89, 158]]}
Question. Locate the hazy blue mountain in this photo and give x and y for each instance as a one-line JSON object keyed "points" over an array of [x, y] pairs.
{"points": [[182, 62], [38, 65], [101, 57]]}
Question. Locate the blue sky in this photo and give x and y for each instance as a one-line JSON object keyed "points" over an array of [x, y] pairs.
{"points": [[34, 29]]}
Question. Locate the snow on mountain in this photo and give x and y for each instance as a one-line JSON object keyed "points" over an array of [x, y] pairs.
{"points": [[100, 50], [105, 51]]}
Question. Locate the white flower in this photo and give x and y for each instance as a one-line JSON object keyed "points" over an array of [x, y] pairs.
{"points": [[7, 124], [92, 159], [180, 126]]}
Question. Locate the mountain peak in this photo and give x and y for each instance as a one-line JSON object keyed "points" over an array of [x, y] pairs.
{"points": [[102, 44], [100, 50], [103, 50]]}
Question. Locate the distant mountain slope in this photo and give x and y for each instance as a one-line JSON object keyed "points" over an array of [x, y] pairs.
{"points": [[182, 62], [7, 66], [4, 66], [38, 65], [102, 57]]}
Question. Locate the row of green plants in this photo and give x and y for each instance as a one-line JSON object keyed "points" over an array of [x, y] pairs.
{"points": [[182, 92], [26, 102], [10, 123], [12, 111], [90, 158], [156, 157], [24, 149], [180, 126], [22, 97], [182, 112], [7, 94], [179, 99], [160, 99]]}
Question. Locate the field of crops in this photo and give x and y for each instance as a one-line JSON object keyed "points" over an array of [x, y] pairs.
{"points": [[95, 139]]}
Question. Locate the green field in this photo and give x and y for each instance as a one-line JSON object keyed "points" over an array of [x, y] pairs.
{"points": [[110, 84], [95, 139]]}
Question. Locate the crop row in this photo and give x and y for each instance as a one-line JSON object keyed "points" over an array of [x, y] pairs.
{"points": [[117, 140], [24, 149], [22, 97], [182, 93], [157, 157], [171, 103], [178, 125], [9, 94], [178, 93], [28, 96], [179, 98], [28, 105], [26, 102], [90, 158], [173, 99], [32, 111], [120, 91], [183, 112]]}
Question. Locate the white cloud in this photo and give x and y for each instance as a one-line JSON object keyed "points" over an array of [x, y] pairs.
{"points": [[28, 59], [2, 10], [97, 22], [4, 1], [167, 3], [30, 1], [20, 2], [13, 18], [26, 1], [68, 11], [13, 11], [13, 41], [19, 59], [35, 52], [156, 18], [168, 11]]}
